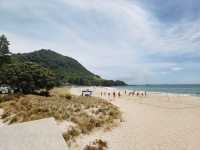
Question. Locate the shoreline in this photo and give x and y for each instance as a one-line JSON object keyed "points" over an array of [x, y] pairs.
{"points": [[116, 88], [153, 122]]}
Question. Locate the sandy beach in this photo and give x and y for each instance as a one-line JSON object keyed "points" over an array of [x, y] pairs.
{"points": [[155, 122], [1, 121]]}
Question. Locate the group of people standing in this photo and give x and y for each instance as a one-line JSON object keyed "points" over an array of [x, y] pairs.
{"points": [[134, 93], [111, 94], [118, 94]]}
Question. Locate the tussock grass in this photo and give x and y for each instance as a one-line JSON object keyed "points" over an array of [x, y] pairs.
{"points": [[86, 112], [71, 134], [98, 144], [8, 97]]}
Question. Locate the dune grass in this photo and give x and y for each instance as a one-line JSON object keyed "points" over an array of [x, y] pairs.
{"points": [[98, 144], [86, 113]]}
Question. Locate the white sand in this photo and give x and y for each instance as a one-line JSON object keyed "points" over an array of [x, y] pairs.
{"points": [[1, 121], [155, 122], [41, 134]]}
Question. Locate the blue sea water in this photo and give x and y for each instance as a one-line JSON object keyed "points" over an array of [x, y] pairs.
{"points": [[189, 89]]}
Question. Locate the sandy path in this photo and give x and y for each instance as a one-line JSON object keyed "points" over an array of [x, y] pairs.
{"points": [[153, 123]]}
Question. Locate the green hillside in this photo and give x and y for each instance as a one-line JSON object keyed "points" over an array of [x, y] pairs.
{"points": [[66, 69]]}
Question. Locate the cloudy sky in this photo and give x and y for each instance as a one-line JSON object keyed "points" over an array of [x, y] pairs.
{"points": [[138, 41]]}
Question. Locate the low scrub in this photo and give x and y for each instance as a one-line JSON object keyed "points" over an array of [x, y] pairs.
{"points": [[9, 97], [71, 134], [98, 144], [86, 112]]}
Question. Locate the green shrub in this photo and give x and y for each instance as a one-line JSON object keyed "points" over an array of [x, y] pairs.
{"points": [[27, 77]]}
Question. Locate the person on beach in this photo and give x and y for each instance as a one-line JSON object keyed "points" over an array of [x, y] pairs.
{"points": [[108, 94], [119, 94], [133, 94], [101, 94], [114, 95], [125, 92]]}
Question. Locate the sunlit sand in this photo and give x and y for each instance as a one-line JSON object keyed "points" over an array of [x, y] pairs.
{"points": [[155, 122]]}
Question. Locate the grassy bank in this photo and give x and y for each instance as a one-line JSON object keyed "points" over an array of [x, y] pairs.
{"points": [[87, 113]]}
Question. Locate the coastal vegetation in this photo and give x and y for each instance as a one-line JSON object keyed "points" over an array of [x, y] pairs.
{"points": [[98, 144], [34, 76], [66, 69], [86, 113], [27, 77], [44, 69]]}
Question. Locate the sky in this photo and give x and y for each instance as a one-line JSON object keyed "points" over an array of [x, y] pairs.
{"points": [[138, 41]]}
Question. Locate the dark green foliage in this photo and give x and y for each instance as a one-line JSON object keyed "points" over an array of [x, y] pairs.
{"points": [[4, 59], [65, 68], [4, 45], [27, 77], [4, 50]]}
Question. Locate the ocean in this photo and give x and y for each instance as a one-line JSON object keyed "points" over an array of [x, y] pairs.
{"points": [[187, 89]]}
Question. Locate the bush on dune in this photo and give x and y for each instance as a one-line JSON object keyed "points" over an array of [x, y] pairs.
{"points": [[98, 144]]}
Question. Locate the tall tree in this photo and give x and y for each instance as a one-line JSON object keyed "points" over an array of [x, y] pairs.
{"points": [[4, 45], [4, 50]]}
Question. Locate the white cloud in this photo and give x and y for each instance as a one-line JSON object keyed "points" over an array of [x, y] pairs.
{"points": [[141, 28], [111, 38], [176, 68]]}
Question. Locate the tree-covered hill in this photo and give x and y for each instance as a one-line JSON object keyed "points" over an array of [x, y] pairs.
{"points": [[66, 69], [20, 75]]}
